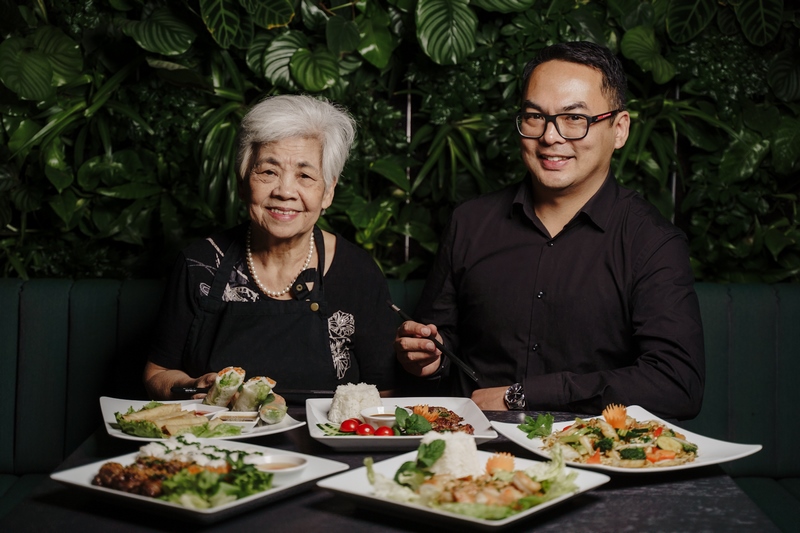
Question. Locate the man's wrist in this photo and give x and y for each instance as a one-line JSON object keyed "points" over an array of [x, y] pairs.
{"points": [[514, 397]]}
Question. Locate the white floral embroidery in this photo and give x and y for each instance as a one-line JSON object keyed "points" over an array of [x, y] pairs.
{"points": [[341, 327]]}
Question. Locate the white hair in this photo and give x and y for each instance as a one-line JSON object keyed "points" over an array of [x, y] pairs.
{"points": [[281, 117]]}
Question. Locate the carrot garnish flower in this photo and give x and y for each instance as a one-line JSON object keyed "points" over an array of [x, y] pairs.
{"points": [[500, 461], [616, 415]]}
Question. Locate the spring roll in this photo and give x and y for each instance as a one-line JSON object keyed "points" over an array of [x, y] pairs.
{"points": [[254, 392], [273, 410], [225, 386]]}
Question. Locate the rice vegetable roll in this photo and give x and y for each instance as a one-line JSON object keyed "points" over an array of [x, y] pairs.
{"points": [[273, 410], [225, 386], [254, 392]]}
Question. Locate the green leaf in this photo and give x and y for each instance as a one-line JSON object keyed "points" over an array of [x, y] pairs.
{"points": [[278, 56], [221, 18], [589, 22], [376, 44], [742, 157], [256, 50], [269, 14], [640, 45], [760, 19], [62, 52], [786, 146], [24, 70], [68, 207], [504, 6], [784, 75], [56, 167], [22, 135], [687, 18], [314, 71], [161, 33], [392, 168], [776, 241], [313, 17], [446, 30], [131, 191], [341, 35], [632, 13]]}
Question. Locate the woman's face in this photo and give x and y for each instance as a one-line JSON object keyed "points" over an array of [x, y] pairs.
{"points": [[285, 192]]}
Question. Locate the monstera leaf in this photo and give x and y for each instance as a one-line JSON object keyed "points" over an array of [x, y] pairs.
{"points": [[446, 29], [314, 71], [221, 17], [687, 18], [161, 33], [640, 45], [742, 157], [504, 6], [760, 19], [269, 14]]}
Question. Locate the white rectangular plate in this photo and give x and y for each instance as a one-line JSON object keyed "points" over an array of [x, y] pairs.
{"points": [[317, 413], [109, 406], [354, 484], [317, 468], [709, 451]]}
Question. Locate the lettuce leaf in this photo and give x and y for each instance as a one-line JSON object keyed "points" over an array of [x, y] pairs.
{"points": [[140, 428]]}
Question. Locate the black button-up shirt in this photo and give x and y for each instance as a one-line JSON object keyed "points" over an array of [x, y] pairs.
{"points": [[604, 312]]}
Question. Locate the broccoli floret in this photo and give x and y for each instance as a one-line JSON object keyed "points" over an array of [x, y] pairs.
{"points": [[689, 448], [604, 445], [632, 453]]}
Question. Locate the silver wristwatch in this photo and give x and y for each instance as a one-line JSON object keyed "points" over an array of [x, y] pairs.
{"points": [[515, 397]]}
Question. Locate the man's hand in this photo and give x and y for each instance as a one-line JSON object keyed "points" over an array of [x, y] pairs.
{"points": [[204, 381], [491, 399], [414, 349]]}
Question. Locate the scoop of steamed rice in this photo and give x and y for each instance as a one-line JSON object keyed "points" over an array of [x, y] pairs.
{"points": [[350, 399], [460, 457]]}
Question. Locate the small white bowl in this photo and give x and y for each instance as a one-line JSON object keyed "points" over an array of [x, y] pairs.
{"points": [[380, 416], [282, 467], [247, 420], [202, 409]]}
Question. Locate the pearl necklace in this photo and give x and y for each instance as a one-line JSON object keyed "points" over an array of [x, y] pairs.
{"points": [[252, 268]]}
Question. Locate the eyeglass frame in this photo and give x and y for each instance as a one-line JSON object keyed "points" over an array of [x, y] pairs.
{"points": [[552, 119]]}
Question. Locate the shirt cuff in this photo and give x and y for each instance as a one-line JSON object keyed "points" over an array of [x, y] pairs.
{"points": [[545, 392]]}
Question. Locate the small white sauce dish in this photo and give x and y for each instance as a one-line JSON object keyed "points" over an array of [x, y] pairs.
{"points": [[282, 467], [202, 409], [381, 416], [247, 420]]}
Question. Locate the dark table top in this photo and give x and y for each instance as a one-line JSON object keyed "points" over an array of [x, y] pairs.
{"points": [[700, 499]]}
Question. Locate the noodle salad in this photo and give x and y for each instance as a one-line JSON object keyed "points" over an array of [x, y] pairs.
{"points": [[620, 441]]}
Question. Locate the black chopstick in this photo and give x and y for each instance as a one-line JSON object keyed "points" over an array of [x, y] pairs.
{"points": [[444, 349], [188, 390]]}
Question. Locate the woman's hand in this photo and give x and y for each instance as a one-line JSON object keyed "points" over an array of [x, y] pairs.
{"points": [[414, 349], [159, 381]]}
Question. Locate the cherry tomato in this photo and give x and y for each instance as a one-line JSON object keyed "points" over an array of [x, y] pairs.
{"points": [[365, 429], [384, 431], [350, 425]]}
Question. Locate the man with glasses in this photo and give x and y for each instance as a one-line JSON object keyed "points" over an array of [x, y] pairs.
{"points": [[565, 292]]}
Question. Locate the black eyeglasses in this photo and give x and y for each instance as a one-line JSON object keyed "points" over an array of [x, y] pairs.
{"points": [[571, 126]]}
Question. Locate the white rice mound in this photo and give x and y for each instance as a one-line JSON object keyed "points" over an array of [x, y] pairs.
{"points": [[350, 399], [460, 457]]}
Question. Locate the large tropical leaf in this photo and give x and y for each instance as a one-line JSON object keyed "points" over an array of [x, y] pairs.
{"points": [[342, 35], [62, 52], [161, 33], [687, 18], [786, 146], [742, 157], [393, 168], [270, 14], [446, 29], [631, 13], [24, 70], [255, 52], [376, 44], [222, 20], [314, 71], [640, 45], [504, 6], [278, 56], [760, 19], [784, 75]]}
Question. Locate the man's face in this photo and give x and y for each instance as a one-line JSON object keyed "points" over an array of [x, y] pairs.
{"points": [[560, 167]]}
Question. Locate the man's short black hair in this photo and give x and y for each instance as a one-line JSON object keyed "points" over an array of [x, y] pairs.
{"points": [[615, 83]]}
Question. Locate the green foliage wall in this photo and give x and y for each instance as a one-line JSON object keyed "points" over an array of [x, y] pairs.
{"points": [[119, 120]]}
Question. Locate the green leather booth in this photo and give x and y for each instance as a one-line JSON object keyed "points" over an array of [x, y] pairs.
{"points": [[65, 343]]}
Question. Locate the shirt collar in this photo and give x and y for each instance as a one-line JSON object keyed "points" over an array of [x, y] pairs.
{"points": [[598, 209]]}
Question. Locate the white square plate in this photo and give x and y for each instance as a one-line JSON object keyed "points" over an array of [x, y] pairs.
{"points": [[354, 484], [82, 476], [317, 413], [709, 451], [109, 406]]}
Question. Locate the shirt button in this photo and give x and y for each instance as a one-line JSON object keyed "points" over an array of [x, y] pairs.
{"points": [[550, 243], [540, 294], [299, 287], [315, 306], [536, 347]]}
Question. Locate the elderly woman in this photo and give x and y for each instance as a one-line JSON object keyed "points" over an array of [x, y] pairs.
{"points": [[277, 296]]}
